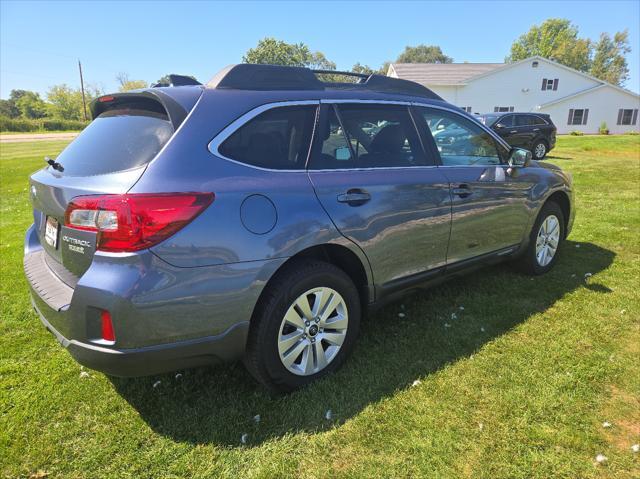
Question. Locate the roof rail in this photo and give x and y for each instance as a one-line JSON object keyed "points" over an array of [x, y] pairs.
{"points": [[245, 76], [178, 80]]}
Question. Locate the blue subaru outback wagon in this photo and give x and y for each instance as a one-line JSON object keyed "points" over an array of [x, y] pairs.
{"points": [[259, 216]]}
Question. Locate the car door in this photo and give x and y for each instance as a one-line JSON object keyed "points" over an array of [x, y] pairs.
{"points": [[382, 192], [489, 201], [526, 131], [505, 128]]}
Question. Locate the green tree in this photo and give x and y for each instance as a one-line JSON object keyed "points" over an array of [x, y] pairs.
{"points": [[423, 54], [609, 62], [31, 106], [127, 84], [8, 107], [556, 39], [66, 102], [276, 52], [365, 69]]}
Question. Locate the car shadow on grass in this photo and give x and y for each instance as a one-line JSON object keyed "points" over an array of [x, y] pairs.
{"points": [[220, 404]]}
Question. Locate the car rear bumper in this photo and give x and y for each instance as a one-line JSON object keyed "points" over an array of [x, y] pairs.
{"points": [[154, 359], [164, 317]]}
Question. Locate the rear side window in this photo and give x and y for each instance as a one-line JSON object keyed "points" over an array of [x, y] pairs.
{"points": [[276, 139], [117, 140], [536, 120], [524, 120], [368, 136]]}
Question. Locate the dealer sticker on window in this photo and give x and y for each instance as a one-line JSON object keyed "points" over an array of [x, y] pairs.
{"points": [[51, 231]]}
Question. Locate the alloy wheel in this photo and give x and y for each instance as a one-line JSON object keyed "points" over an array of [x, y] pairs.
{"points": [[547, 240], [312, 331]]}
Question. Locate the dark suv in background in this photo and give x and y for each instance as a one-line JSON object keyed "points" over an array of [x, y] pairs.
{"points": [[532, 131]]}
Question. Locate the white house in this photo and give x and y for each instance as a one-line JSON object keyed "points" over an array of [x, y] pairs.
{"points": [[575, 100]]}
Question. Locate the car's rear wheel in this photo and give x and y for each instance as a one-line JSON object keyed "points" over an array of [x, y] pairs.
{"points": [[545, 240], [305, 326], [539, 149]]}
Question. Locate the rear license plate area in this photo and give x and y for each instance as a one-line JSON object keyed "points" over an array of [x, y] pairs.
{"points": [[51, 230]]}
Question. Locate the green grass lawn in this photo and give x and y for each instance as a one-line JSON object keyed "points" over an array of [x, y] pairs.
{"points": [[517, 386]]}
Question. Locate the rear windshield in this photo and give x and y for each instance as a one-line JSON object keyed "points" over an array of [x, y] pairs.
{"points": [[116, 140]]}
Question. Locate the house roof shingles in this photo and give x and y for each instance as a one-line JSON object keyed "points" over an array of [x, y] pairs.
{"points": [[442, 73]]}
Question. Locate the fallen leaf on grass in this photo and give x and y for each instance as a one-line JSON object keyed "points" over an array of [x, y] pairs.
{"points": [[84, 374], [601, 458], [157, 383]]}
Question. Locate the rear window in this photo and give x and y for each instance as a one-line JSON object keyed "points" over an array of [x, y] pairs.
{"points": [[117, 140], [276, 139]]}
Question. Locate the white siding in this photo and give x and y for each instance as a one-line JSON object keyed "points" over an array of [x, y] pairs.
{"points": [[519, 86], [603, 105]]}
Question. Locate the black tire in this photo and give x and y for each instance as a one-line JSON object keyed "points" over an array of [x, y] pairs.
{"points": [[262, 358], [528, 262], [536, 152]]}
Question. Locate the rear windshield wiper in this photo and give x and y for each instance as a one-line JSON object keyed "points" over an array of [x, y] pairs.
{"points": [[54, 164]]}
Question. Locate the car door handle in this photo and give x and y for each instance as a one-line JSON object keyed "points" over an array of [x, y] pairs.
{"points": [[536, 129], [513, 131], [354, 197], [462, 191]]}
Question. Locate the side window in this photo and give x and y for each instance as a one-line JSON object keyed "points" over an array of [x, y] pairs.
{"points": [[368, 136], [507, 121], [277, 139], [460, 141], [524, 120], [536, 120]]}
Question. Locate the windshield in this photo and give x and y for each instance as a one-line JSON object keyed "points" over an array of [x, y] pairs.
{"points": [[116, 140]]}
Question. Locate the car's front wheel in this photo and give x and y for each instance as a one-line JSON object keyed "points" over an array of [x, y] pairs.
{"points": [[305, 326], [539, 149], [545, 240]]}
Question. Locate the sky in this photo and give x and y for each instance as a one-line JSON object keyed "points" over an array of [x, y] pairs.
{"points": [[41, 42]]}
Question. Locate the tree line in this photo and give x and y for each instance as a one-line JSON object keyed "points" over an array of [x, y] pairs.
{"points": [[556, 39]]}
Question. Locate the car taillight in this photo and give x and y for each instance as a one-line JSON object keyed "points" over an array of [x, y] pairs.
{"points": [[132, 222], [107, 326]]}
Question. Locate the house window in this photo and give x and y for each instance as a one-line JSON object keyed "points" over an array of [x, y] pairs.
{"points": [[578, 116], [627, 116], [549, 84], [466, 108], [534, 65], [502, 109]]}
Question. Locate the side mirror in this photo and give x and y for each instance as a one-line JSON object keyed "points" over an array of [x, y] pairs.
{"points": [[342, 154], [519, 157], [499, 125]]}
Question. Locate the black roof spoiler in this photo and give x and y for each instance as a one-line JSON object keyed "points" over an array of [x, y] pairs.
{"points": [[245, 76], [177, 80], [153, 100]]}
